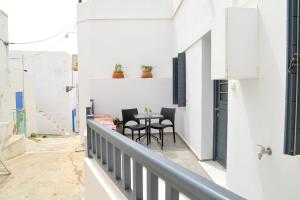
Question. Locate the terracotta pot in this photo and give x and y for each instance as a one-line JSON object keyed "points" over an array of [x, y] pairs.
{"points": [[147, 74], [118, 74]]}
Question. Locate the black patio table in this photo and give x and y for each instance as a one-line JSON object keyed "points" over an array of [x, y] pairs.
{"points": [[148, 117]]}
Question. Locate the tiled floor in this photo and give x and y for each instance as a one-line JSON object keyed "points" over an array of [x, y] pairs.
{"points": [[178, 153]]}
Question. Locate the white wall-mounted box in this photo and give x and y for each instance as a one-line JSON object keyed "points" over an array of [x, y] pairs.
{"points": [[235, 44]]}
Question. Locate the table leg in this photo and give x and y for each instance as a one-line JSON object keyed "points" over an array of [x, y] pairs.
{"points": [[150, 131], [147, 131]]}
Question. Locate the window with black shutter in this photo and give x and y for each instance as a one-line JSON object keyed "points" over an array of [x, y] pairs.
{"points": [[292, 124], [175, 80], [181, 80]]}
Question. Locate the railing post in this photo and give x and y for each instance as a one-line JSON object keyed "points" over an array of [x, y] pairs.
{"points": [[103, 151], [152, 186], [98, 138], [137, 180], [94, 142], [89, 142], [110, 157], [117, 164], [126, 172], [171, 193]]}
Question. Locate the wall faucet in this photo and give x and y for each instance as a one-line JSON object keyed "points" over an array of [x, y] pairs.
{"points": [[263, 151]]}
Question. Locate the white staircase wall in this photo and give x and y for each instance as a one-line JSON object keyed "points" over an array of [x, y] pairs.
{"points": [[51, 73]]}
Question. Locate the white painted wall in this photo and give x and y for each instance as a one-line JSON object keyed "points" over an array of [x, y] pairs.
{"points": [[131, 33], [257, 115], [48, 75], [6, 95], [196, 125], [130, 93], [98, 184], [256, 107], [119, 9]]}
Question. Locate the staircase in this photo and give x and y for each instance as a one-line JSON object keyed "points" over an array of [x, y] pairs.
{"points": [[46, 124]]}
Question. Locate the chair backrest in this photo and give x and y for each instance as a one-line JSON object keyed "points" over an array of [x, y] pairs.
{"points": [[128, 115], [169, 114]]}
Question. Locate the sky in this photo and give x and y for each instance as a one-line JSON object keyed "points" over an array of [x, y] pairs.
{"points": [[32, 20]]}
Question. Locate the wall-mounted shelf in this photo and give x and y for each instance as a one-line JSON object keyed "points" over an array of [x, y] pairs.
{"points": [[235, 44]]}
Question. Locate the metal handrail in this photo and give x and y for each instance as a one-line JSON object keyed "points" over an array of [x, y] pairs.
{"points": [[106, 146]]}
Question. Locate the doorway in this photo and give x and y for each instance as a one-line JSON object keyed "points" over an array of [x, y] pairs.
{"points": [[220, 121]]}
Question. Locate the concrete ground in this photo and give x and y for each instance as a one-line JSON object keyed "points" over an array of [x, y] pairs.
{"points": [[51, 170]]}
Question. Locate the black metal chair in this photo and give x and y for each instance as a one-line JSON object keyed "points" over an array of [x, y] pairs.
{"points": [[128, 115], [169, 114]]}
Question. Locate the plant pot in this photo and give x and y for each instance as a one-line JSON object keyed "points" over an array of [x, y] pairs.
{"points": [[118, 74], [120, 129], [146, 74]]}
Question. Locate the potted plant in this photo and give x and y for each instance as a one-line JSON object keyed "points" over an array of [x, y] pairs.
{"points": [[119, 125], [118, 73], [147, 71]]}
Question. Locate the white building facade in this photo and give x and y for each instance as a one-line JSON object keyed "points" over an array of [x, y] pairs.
{"points": [[141, 32], [6, 95], [48, 105]]}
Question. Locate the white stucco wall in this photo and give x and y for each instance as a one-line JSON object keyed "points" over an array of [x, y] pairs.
{"points": [[130, 33], [6, 95], [257, 115], [131, 93], [48, 75], [256, 107]]}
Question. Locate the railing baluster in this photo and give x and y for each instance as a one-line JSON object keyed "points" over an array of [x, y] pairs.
{"points": [[103, 152], [152, 186], [138, 180], [94, 141], [117, 164], [89, 142], [110, 157], [171, 193], [98, 146], [126, 172]]}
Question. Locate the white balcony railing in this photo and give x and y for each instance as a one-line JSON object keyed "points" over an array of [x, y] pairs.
{"points": [[114, 152]]}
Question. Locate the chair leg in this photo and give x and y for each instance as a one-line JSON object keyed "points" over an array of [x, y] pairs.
{"points": [[159, 134], [162, 139], [132, 137], [123, 131], [174, 134], [139, 135]]}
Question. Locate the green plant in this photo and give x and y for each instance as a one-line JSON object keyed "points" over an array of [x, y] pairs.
{"points": [[148, 110], [33, 135], [118, 122], [147, 68], [118, 68]]}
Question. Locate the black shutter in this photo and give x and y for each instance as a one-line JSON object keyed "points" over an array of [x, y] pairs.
{"points": [[175, 80], [292, 124], [181, 80]]}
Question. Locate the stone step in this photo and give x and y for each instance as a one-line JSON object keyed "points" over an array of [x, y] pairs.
{"points": [[14, 146]]}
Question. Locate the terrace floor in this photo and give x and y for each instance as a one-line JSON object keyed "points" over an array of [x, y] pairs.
{"points": [[178, 153]]}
